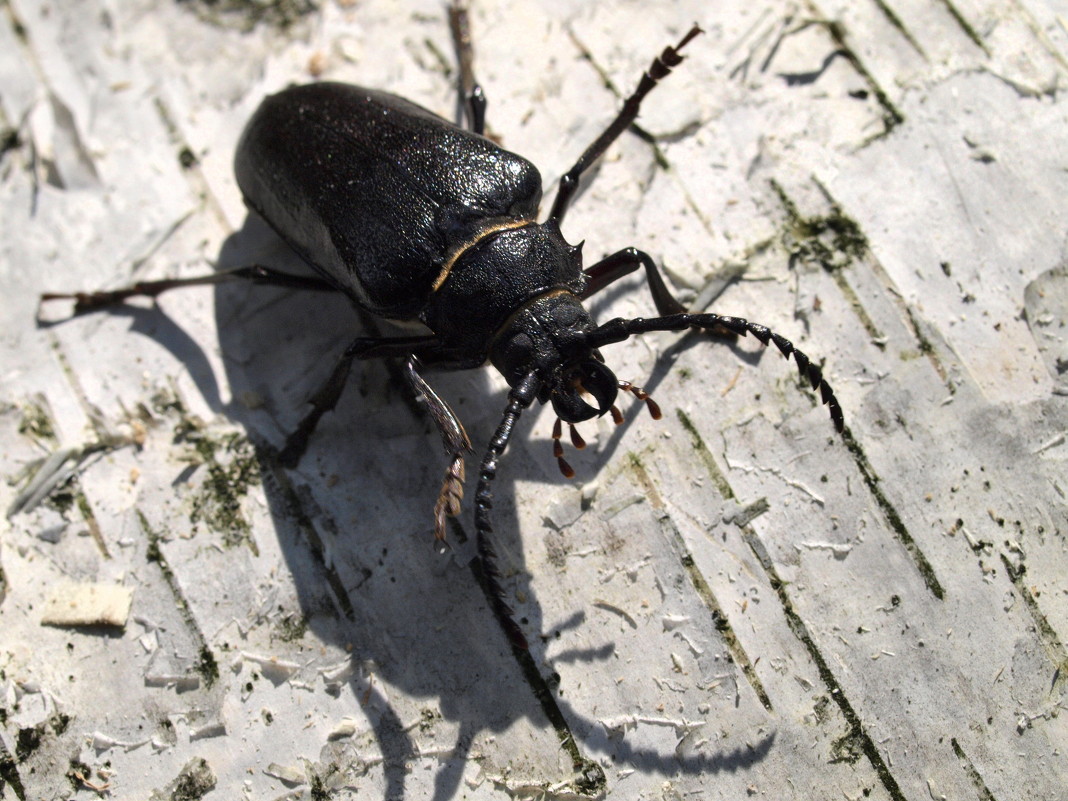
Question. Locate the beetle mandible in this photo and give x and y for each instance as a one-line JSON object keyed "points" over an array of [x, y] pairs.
{"points": [[415, 218]]}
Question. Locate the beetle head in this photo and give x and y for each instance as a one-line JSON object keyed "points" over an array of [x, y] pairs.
{"points": [[548, 337]]}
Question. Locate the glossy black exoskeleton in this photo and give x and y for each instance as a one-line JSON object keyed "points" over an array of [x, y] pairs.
{"points": [[415, 218]]}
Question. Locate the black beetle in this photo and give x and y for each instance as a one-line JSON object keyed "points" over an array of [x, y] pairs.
{"points": [[415, 218]]}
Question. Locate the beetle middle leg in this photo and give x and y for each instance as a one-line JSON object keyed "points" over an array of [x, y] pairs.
{"points": [[472, 98], [453, 435]]}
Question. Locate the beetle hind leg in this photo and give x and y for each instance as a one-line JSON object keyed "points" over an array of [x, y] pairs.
{"points": [[326, 397], [85, 302]]}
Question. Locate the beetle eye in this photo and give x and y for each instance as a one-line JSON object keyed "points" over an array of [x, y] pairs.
{"points": [[589, 379]]}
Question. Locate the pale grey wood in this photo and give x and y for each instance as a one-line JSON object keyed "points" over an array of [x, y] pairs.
{"points": [[733, 601]]}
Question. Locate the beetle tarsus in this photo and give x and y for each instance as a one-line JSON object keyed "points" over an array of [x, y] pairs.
{"points": [[453, 437], [450, 497]]}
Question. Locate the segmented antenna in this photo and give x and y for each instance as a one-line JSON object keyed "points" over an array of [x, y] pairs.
{"points": [[518, 399], [619, 329]]}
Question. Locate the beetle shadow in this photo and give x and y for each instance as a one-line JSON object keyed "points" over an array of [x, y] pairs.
{"points": [[354, 524], [354, 518], [154, 323]]}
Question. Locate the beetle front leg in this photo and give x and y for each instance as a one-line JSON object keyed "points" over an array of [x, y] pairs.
{"points": [[456, 443], [626, 261], [326, 397], [658, 70]]}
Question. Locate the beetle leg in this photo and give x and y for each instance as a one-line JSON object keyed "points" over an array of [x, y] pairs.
{"points": [[658, 70], [611, 268], [326, 397], [619, 329], [91, 301], [456, 443], [518, 399], [472, 99]]}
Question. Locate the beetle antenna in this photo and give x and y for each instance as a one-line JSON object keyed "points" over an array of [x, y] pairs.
{"points": [[518, 399], [619, 329]]}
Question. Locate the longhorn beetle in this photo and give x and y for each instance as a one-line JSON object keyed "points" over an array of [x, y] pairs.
{"points": [[415, 218]]}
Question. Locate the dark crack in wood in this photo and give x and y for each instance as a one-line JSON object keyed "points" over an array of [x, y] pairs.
{"points": [[671, 532]]}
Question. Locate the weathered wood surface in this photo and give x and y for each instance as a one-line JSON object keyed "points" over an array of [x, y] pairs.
{"points": [[735, 603]]}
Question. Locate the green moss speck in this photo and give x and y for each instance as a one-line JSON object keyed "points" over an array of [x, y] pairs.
{"points": [[61, 499], [27, 741], [847, 748], [245, 15], [232, 470], [36, 423], [318, 790], [591, 781], [290, 628], [832, 241]]}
